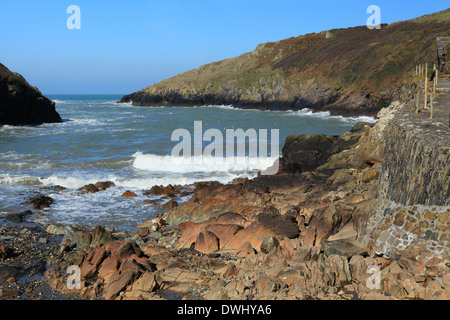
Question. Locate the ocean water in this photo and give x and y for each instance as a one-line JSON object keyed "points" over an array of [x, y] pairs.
{"points": [[101, 140]]}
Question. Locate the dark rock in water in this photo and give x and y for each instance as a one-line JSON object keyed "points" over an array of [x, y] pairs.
{"points": [[18, 217], [103, 185], [89, 188], [20, 103], [40, 201]]}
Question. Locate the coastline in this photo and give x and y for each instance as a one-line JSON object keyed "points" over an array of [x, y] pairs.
{"points": [[305, 233]]}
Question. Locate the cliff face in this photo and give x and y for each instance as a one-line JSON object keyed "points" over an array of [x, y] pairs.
{"points": [[354, 71], [20, 103]]}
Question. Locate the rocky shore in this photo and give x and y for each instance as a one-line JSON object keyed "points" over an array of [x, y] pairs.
{"points": [[328, 225]]}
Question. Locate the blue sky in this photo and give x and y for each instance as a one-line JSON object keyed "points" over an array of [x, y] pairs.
{"points": [[123, 46]]}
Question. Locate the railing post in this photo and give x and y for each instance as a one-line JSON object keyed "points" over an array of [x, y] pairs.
{"points": [[431, 106], [434, 79], [416, 112], [426, 87]]}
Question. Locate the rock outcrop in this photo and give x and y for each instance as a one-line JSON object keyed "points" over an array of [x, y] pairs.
{"points": [[356, 71], [22, 104]]}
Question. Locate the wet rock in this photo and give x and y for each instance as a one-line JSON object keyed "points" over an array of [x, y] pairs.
{"points": [[164, 190], [89, 188], [40, 201], [128, 194], [103, 185], [171, 204], [18, 217]]}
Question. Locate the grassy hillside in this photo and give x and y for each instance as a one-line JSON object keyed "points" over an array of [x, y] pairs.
{"points": [[347, 71]]}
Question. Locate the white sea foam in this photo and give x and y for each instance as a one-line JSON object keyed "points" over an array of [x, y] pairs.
{"points": [[209, 164], [327, 115]]}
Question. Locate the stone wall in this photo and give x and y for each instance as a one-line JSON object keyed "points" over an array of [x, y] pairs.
{"points": [[415, 167], [396, 226]]}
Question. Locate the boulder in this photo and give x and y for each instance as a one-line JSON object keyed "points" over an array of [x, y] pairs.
{"points": [[207, 242]]}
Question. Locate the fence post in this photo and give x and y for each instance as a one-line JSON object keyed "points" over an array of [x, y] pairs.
{"points": [[417, 102], [426, 87], [431, 106], [434, 79]]}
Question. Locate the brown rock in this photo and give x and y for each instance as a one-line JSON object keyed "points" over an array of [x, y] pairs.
{"points": [[207, 242], [127, 249], [118, 283], [254, 234], [224, 232], [103, 185], [89, 188], [433, 262], [146, 283], [129, 193], [109, 266], [190, 233], [303, 254], [322, 224], [284, 226], [231, 218], [245, 250], [269, 243]]}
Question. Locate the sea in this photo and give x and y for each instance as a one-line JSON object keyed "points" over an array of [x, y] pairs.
{"points": [[102, 140]]}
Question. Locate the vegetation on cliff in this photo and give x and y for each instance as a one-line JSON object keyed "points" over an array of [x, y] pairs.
{"points": [[346, 71]]}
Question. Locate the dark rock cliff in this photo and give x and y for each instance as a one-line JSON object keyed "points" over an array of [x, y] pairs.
{"points": [[21, 103]]}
